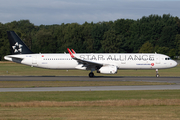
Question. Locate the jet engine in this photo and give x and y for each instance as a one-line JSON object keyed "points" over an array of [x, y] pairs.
{"points": [[108, 70]]}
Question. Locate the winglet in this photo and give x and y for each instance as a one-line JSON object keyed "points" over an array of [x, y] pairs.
{"points": [[73, 51], [71, 54]]}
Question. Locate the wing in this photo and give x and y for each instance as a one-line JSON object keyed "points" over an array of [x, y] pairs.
{"points": [[85, 63]]}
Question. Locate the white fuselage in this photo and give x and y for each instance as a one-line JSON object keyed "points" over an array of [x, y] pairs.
{"points": [[122, 61]]}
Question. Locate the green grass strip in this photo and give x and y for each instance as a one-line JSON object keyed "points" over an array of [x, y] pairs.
{"points": [[88, 95]]}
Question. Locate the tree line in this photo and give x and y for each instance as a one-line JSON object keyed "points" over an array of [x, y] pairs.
{"points": [[150, 34]]}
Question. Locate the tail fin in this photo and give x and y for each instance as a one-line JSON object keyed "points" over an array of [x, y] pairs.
{"points": [[17, 45]]}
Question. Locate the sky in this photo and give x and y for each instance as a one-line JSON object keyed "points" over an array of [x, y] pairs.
{"points": [[49, 12]]}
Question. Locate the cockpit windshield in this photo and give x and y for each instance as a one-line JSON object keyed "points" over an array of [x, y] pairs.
{"points": [[168, 59]]}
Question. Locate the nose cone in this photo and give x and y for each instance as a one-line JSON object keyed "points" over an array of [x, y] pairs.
{"points": [[174, 63], [171, 63]]}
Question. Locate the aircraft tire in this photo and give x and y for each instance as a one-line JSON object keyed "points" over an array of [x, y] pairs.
{"points": [[91, 74], [157, 75]]}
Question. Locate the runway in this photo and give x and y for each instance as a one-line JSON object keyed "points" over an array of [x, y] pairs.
{"points": [[85, 78], [92, 88], [97, 88]]}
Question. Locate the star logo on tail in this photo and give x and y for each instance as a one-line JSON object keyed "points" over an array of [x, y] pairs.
{"points": [[17, 47]]}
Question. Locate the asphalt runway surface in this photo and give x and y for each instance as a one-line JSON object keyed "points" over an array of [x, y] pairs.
{"points": [[92, 88]]}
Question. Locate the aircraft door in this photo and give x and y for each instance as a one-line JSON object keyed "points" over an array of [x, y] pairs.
{"points": [[123, 59], [34, 60], [158, 59]]}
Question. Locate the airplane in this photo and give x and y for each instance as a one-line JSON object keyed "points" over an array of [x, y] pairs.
{"points": [[105, 63]]}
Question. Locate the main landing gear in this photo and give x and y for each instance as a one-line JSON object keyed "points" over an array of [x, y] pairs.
{"points": [[91, 74], [157, 75]]}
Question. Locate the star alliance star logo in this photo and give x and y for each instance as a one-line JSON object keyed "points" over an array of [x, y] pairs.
{"points": [[17, 47]]}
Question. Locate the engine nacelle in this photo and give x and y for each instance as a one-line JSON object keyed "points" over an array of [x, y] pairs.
{"points": [[108, 70]]}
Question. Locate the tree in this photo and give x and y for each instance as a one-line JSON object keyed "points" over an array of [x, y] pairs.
{"points": [[177, 44], [172, 53], [178, 23], [168, 37], [121, 26], [147, 34], [4, 43], [163, 50], [87, 37], [146, 48], [45, 42], [112, 42], [98, 31], [23, 28]]}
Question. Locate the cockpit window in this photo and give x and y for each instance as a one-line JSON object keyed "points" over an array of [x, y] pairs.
{"points": [[167, 58]]}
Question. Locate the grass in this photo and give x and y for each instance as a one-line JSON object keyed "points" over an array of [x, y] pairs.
{"points": [[87, 95], [14, 69], [96, 105], [91, 113], [102, 103]]}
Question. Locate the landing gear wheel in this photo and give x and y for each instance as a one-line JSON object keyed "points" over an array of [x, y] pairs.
{"points": [[157, 75], [91, 74]]}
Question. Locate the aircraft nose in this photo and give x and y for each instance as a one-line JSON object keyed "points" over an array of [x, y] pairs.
{"points": [[175, 63]]}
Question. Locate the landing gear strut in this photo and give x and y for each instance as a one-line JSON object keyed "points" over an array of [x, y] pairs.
{"points": [[157, 75], [91, 74]]}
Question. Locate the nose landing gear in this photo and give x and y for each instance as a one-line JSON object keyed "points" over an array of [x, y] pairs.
{"points": [[157, 75]]}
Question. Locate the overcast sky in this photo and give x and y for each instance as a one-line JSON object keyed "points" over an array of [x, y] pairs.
{"points": [[50, 12]]}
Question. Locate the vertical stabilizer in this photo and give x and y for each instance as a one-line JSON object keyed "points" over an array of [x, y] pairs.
{"points": [[17, 45]]}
